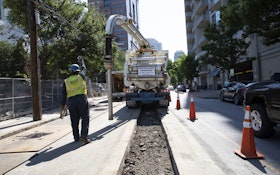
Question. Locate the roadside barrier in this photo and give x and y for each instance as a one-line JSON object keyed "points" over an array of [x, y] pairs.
{"points": [[192, 110], [248, 147], [178, 105]]}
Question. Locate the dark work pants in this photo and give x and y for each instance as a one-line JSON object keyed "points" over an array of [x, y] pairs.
{"points": [[79, 109]]}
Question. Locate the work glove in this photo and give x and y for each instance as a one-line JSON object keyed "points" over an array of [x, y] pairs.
{"points": [[63, 111]]}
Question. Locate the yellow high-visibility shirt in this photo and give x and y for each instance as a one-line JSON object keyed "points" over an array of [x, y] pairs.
{"points": [[75, 85]]}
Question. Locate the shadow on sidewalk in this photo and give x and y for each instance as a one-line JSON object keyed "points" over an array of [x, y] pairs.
{"points": [[124, 116]]}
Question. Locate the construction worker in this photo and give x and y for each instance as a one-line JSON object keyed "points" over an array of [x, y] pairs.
{"points": [[74, 93]]}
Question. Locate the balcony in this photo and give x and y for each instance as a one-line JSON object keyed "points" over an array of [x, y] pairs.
{"points": [[202, 20], [215, 5], [188, 5], [188, 16], [201, 53], [200, 7], [190, 38], [192, 4], [189, 27], [201, 41]]}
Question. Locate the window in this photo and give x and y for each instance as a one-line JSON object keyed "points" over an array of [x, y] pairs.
{"points": [[215, 17], [106, 3]]}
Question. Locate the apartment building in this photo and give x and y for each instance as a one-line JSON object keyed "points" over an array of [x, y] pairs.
{"points": [[200, 13], [128, 8]]}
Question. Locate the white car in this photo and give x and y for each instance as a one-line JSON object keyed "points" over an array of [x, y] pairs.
{"points": [[171, 88]]}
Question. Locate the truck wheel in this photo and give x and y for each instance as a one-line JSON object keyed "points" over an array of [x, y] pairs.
{"points": [[260, 122]]}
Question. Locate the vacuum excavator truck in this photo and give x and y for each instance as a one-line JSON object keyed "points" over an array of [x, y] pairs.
{"points": [[146, 77], [145, 69]]}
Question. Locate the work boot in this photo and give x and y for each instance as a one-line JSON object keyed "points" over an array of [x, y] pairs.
{"points": [[85, 140]]}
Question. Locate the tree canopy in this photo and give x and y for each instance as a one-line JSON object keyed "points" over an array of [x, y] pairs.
{"points": [[185, 68], [14, 60], [223, 48], [66, 30], [259, 17]]}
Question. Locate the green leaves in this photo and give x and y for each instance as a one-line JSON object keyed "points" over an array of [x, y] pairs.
{"points": [[184, 67], [259, 17], [224, 47], [67, 30], [13, 60]]}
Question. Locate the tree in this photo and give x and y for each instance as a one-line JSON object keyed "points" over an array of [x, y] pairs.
{"points": [[172, 72], [223, 47], [189, 67], [10, 66], [259, 17], [119, 57], [67, 30]]}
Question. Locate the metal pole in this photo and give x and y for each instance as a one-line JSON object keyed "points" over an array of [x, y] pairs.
{"points": [[110, 99], [109, 67], [35, 78]]}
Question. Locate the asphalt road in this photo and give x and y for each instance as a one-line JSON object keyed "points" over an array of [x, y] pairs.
{"points": [[219, 128]]}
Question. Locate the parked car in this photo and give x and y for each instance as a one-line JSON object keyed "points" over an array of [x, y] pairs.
{"points": [[233, 91], [264, 101], [171, 88], [181, 88]]}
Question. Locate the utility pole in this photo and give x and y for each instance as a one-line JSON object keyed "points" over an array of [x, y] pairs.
{"points": [[35, 71]]}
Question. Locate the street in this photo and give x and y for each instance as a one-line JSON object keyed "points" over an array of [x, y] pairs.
{"points": [[218, 128], [203, 146]]}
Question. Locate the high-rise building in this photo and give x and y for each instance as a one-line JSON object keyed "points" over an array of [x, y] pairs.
{"points": [[128, 8], [200, 13], [154, 43], [177, 54]]}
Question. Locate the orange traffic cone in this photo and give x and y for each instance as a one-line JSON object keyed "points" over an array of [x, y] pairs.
{"points": [[248, 148], [192, 110], [178, 106]]}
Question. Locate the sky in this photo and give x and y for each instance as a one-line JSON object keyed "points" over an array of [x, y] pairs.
{"points": [[164, 20]]}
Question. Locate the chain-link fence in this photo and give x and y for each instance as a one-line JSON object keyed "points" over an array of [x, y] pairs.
{"points": [[16, 99]]}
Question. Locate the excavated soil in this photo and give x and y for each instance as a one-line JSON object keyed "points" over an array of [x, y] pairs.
{"points": [[149, 152]]}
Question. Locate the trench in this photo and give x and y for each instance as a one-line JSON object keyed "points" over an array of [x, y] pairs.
{"points": [[149, 151]]}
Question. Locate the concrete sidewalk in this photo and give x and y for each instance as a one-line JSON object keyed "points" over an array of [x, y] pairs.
{"points": [[51, 145], [207, 94], [17, 125]]}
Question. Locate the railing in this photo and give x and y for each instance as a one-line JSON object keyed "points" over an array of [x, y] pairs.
{"points": [[16, 100]]}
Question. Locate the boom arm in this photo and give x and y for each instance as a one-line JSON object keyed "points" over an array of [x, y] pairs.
{"points": [[127, 25]]}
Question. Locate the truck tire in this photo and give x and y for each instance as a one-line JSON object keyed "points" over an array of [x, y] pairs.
{"points": [[260, 122]]}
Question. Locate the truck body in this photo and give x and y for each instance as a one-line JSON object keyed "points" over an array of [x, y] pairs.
{"points": [[264, 99], [146, 76], [145, 69]]}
